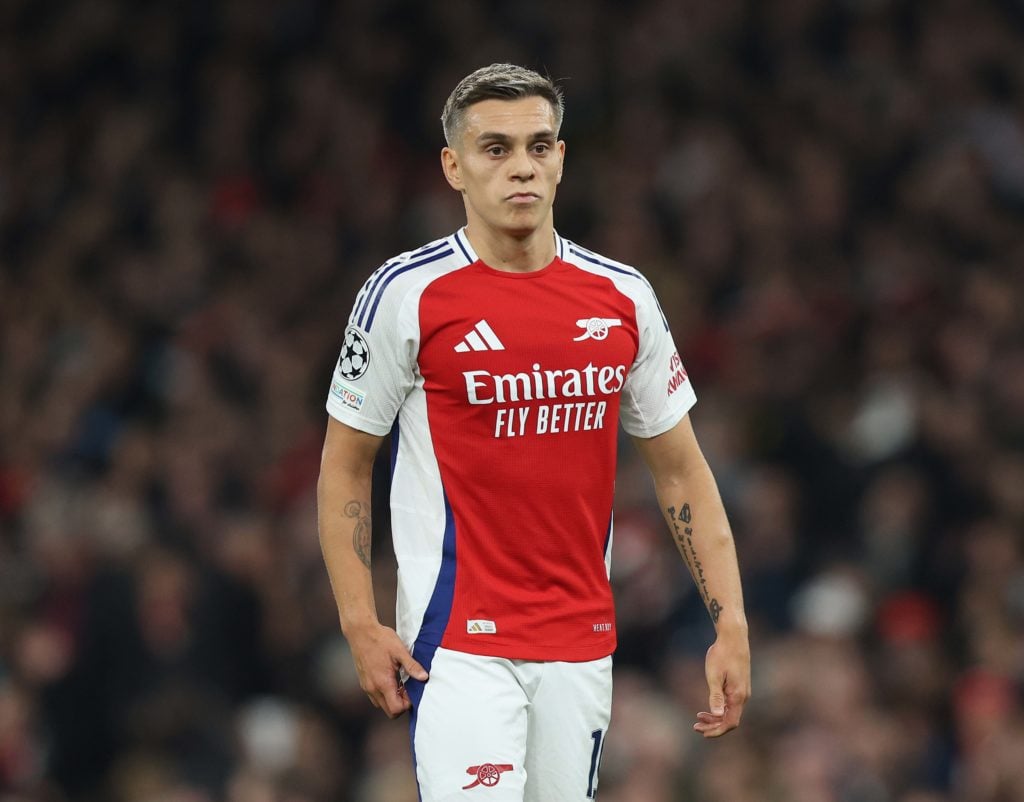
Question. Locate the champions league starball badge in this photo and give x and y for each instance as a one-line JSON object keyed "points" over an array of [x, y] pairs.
{"points": [[355, 355]]}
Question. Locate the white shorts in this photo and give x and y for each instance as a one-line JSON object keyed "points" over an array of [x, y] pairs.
{"points": [[509, 730]]}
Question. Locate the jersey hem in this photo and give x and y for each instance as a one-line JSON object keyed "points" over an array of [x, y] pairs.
{"points": [[662, 426], [541, 653], [341, 414]]}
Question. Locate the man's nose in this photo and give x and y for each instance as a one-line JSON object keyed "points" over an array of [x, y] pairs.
{"points": [[521, 165]]}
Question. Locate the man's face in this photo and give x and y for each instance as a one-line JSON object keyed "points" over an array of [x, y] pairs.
{"points": [[507, 164]]}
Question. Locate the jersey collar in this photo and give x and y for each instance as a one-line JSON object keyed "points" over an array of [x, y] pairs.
{"points": [[461, 241]]}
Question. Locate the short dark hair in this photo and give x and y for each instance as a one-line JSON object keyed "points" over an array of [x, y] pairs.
{"points": [[501, 82]]}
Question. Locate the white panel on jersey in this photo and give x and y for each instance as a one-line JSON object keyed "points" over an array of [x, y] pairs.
{"points": [[417, 515]]}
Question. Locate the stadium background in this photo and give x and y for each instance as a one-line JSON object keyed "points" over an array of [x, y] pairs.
{"points": [[829, 198]]}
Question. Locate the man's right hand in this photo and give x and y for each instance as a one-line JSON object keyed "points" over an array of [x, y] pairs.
{"points": [[379, 654]]}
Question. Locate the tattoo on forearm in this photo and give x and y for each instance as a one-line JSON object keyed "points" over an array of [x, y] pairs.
{"points": [[681, 520], [361, 533]]}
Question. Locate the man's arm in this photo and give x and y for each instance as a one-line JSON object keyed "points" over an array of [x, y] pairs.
{"points": [[693, 509], [343, 510]]}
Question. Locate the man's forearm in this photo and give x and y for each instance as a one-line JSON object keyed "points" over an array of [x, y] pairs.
{"points": [[343, 509], [693, 510]]}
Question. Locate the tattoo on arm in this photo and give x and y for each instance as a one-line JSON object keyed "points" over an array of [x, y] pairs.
{"points": [[683, 532], [361, 533]]}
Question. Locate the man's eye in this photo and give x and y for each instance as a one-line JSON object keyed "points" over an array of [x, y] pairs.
{"points": [[541, 147], [495, 150]]}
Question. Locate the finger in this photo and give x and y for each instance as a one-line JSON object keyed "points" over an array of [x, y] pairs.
{"points": [[712, 730], [413, 668], [391, 706], [382, 691], [715, 732], [707, 726], [719, 727], [394, 697], [397, 706], [716, 682], [706, 722], [716, 694], [736, 696], [733, 714]]}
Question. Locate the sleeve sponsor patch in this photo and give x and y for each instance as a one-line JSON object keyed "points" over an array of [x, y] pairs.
{"points": [[349, 397], [677, 373]]}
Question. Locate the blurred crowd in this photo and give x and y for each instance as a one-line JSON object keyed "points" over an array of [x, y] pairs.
{"points": [[828, 197]]}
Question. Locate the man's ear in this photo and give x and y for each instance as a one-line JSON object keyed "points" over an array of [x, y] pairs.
{"points": [[452, 168]]}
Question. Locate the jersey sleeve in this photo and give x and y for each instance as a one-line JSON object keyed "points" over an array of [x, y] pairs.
{"points": [[657, 393], [376, 368]]}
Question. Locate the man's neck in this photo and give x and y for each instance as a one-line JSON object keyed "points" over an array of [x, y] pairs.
{"points": [[514, 254]]}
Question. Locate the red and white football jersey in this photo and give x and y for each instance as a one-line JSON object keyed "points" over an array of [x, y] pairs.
{"points": [[503, 392]]}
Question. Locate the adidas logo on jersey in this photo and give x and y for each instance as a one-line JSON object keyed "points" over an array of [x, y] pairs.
{"points": [[481, 338]]}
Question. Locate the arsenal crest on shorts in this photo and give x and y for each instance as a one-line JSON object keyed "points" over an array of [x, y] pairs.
{"points": [[486, 774]]}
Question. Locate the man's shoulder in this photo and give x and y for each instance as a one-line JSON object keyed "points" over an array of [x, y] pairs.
{"points": [[576, 254], [626, 278], [403, 274], [594, 262], [433, 252]]}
